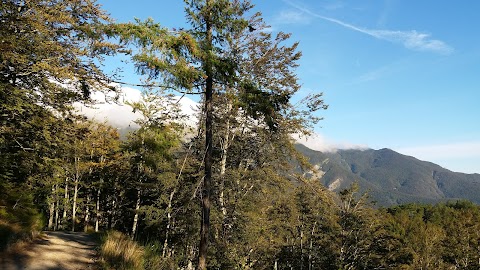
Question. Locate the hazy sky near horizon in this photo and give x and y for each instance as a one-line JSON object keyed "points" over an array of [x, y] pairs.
{"points": [[396, 74]]}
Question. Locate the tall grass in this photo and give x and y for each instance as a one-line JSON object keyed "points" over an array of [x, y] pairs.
{"points": [[119, 252]]}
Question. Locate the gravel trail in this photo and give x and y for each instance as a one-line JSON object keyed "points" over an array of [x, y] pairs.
{"points": [[54, 251]]}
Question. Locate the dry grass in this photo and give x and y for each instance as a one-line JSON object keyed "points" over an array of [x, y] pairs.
{"points": [[119, 252]]}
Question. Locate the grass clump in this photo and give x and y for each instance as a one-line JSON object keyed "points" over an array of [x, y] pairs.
{"points": [[119, 252]]}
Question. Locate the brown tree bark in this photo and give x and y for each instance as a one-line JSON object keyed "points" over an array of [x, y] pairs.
{"points": [[206, 190]]}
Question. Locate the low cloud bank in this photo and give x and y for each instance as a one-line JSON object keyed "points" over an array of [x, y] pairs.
{"points": [[119, 114], [319, 143]]}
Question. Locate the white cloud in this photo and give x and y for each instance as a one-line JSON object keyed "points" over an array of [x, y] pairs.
{"points": [[410, 39], [319, 143], [291, 17], [121, 115]]}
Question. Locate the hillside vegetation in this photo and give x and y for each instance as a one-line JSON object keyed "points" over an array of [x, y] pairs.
{"points": [[392, 178]]}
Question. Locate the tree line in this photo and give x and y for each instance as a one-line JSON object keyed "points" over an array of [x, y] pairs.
{"points": [[224, 194]]}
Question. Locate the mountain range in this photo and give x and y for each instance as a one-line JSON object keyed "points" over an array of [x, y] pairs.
{"points": [[391, 178]]}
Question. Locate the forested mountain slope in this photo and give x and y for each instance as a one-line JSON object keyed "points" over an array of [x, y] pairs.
{"points": [[392, 178]]}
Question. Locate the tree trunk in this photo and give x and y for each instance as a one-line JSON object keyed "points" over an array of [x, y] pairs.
{"points": [[135, 218], [87, 213], [74, 207], [114, 212], [223, 166], [169, 221], [311, 247], [55, 228], [97, 210], [301, 247], [206, 190], [191, 257], [51, 209], [65, 204], [75, 193]]}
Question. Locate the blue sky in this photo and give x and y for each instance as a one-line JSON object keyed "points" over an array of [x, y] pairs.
{"points": [[397, 74]]}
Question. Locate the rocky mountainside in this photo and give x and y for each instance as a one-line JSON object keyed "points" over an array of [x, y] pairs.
{"points": [[392, 178]]}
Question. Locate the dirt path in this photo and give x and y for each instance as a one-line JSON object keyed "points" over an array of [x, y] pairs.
{"points": [[54, 251]]}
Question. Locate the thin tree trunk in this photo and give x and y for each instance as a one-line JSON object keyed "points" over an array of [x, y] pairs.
{"points": [[87, 213], [311, 247], [55, 228], [169, 221], [97, 210], [205, 223], [114, 212], [135, 218], [74, 208], [65, 204], [51, 209], [223, 165], [191, 256], [301, 247], [75, 194]]}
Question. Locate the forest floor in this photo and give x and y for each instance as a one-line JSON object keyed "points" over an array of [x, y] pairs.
{"points": [[53, 251]]}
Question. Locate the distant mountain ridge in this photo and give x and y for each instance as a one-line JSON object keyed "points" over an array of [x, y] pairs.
{"points": [[392, 178]]}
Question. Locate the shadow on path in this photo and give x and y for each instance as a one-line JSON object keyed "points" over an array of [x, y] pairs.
{"points": [[54, 251]]}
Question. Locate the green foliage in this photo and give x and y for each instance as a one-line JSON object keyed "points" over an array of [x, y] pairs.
{"points": [[19, 218]]}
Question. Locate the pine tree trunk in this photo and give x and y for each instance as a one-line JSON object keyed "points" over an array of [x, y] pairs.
{"points": [[206, 190], [135, 218]]}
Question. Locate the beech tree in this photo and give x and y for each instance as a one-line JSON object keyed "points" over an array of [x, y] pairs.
{"points": [[51, 54]]}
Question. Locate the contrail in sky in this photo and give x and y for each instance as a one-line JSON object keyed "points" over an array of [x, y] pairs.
{"points": [[410, 39]]}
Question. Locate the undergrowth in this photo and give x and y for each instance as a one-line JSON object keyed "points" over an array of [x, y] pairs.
{"points": [[119, 252], [19, 221]]}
